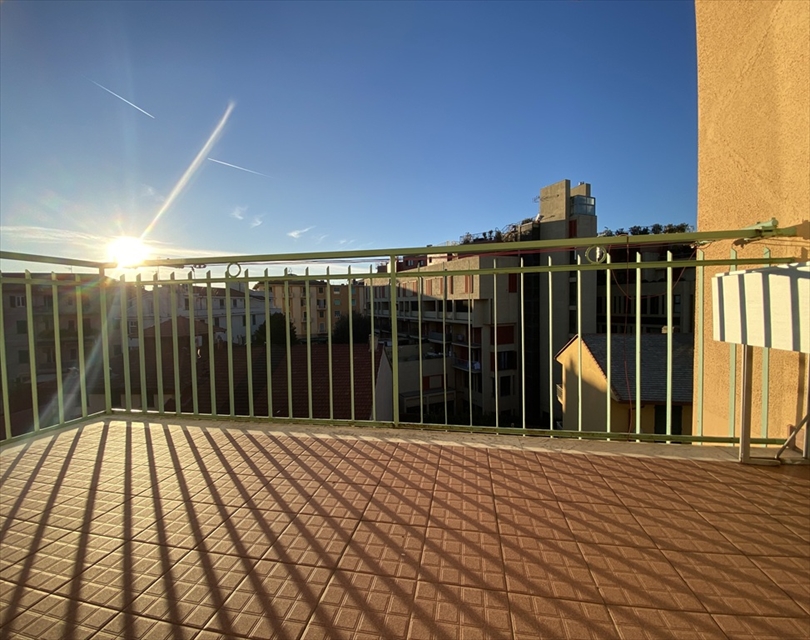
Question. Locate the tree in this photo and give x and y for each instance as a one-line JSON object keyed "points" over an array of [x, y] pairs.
{"points": [[278, 331], [361, 329]]}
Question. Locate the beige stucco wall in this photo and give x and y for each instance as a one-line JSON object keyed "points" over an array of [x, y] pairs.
{"points": [[753, 165]]}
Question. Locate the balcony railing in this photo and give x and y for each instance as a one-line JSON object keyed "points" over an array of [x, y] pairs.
{"points": [[524, 296]]}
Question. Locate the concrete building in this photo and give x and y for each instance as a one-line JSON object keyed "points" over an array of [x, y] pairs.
{"points": [[246, 308], [753, 164], [326, 304], [470, 328], [45, 311], [564, 212]]}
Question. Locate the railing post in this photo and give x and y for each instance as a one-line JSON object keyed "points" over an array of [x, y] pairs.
{"points": [[32, 347], [394, 341], [57, 345], [125, 343], [105, 340], [4, 371], [638, 342]]}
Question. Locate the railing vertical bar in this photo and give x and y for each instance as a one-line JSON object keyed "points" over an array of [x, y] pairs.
{"points": [[444, 340], [329, 338], [579, 344], [80, 336], [351, 346], [308, 322], [495, 329], [669, 343], [288, 318], [139, 289], [122, 295], [4, 368], [229, 335], [420, 282], [608, 338], [394, 343], [105, 341], [173, 296], [699, 330], [551, 394], [373, 345], [766, 366], [57, 344], [249, 343], [522, 351], [732, 382], [638, 341], [267, 342], [32, 348], [212, 380], [192, 344], [158, 341], [469, 346]]}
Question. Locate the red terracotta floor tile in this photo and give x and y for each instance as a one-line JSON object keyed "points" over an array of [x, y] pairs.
{"points": [[638, 577], [732, 584], [385, 548], [538, 617], [454, 612], [466, 558], [401, 505], [547, 568], [360, 606], [642, 623], [742, 627]]}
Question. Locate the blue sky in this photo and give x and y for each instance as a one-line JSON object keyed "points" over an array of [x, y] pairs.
{"points": [[375, 124]]}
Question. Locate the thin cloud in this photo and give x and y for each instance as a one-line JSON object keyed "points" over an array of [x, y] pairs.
{"points": [[297, 233], [120, 98], [321, 238], [150, 192], [238, 213], [257, 220], [236, 166]]}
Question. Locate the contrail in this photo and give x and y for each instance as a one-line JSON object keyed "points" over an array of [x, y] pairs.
{"points": [[120, 98], [192, 169], [228, 164]]}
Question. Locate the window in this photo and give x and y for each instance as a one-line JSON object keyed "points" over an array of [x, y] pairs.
{"points": [[354, 302], [506, 335], [47, 302], [676, 304], [253, 319], [337, 302], [320, 289], [320, 314], [506, 386], [16, 301], [133, 327], [244, 320], [221, 303], [321, 327], [22, 327], [234, 303], [22, 357], [335, 289], [572, 321], [513, 283], [337, 314]]}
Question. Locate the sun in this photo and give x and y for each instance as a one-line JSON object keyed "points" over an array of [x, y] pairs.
{"points": [[127, 251]]}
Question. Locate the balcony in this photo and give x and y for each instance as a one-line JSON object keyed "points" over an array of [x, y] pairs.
{"points": [[209, 489], [187, 528], [464, 365]]}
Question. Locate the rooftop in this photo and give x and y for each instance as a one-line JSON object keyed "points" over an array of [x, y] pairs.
{"points": [[202, 529]]}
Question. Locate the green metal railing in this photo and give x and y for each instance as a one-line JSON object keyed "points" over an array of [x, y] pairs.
{"points": [[253, 375]]}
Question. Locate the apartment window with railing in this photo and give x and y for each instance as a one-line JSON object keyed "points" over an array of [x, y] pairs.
{"points": [[337, 314]]}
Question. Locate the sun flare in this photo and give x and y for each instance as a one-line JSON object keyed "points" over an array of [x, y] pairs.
{"points": [[127, 251]]}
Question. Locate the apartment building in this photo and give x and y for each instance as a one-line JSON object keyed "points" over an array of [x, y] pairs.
{"points": [[316, 305], [64, 317], [245, 307], [469, 327]]}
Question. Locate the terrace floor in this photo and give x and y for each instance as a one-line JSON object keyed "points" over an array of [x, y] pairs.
{"points": [[167, 529]]}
